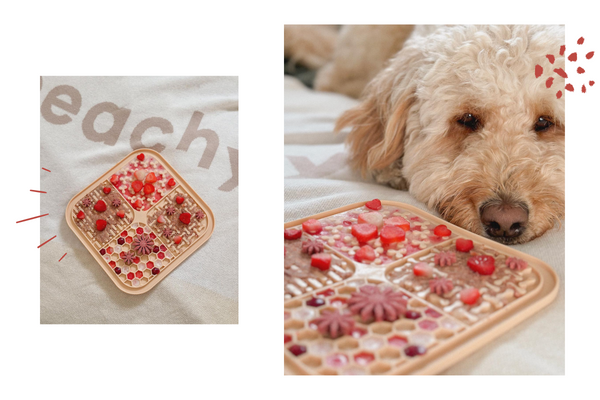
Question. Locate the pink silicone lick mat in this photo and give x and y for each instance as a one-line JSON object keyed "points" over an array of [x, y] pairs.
{"points": [[140, 220], [411, 302]]}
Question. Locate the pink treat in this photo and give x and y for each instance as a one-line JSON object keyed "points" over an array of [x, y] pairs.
{"points": [[371, 218]]}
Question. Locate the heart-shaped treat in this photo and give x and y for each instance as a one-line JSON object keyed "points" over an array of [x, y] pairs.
{"points": [[179, 199], [80, 215], [100, 206], [100, 224], [185, 218], [374, 204]]}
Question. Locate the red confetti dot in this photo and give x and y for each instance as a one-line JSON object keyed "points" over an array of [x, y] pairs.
{"points": [[561, 73], [549, 82], [538, 71], [550, 58], [592, 83], [580, 40], [569, 87], [580, 70], [589, 55], [583, 89], [558, 94], [572, 57], [562, 50]]}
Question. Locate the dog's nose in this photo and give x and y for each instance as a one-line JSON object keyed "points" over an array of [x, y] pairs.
{"points": [[504, 220]]}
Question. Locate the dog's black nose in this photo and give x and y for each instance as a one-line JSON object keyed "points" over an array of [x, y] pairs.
{"points": [[504, 220]]}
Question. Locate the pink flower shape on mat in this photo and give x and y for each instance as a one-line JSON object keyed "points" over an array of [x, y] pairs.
{"points": [[128, 257], [334, 324], [445, 258], [142, 244], [516, 263], [167, 232], [440, 286], [170, 210], [199, 214], [86, 202], [312, 247], [372, 303], [116, 202]]}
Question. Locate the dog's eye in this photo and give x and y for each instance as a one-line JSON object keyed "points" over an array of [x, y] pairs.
{"points": [[543, 124], [470, 121]]}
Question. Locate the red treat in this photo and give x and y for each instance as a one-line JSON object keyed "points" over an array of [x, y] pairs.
{"points": [[464, 245], [106, 190], [139, 274], [112, 264], [121, 213], [151, 178], [399, 222], [141, 157], [137, 186], [80, 215], [374, 204], [364, 232], [423, 269], [177, 240], [139, 231], [483, 265], [321, 261], [138, 204], [365, 253], [100, 224], [391, 234], [185, 218], [148, 188], [179, 199], [469, 295], [171, 182], [155, 271], [114, 179], [441, 230], [292, 234], [130, 276], [100, 206], [312, 226]]}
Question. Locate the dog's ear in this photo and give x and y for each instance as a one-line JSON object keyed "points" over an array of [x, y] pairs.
{"points": [[379, 123]]}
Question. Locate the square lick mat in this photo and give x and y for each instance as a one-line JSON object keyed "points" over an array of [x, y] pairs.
{"points": [[140, 220], [415, 301]]}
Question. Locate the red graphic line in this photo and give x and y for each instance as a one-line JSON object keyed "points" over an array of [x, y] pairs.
{"points": [[46, 169], [37, 191], [32, 218], [62, 257], [46, 241]]}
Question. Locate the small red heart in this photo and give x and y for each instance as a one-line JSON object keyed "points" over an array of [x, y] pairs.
{"points": [[185, 218], [171, 182], [100, 206], [179, 199], [114, 179], [441, 231], [80, 215], [177, 240], [121, 213], [374, 204], [148, 188], [106, 190], [141, 157], [100, 224]]}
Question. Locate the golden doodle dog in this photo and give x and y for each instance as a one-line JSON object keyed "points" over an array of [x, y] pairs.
{"points": [[458, 118]]}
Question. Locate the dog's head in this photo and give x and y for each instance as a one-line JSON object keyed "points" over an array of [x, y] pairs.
{"points": [[460, 119]]}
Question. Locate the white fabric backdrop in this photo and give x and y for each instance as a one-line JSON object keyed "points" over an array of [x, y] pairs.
{"points": [[317, 179], [204, 288]]}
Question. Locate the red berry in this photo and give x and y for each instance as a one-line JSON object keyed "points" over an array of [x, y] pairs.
{"points": [[286, 338], [185, 218], [163, 247], [372, 217], [112, 264], [130, 276], [114, 179], [118, 271], [469, 295], [321, 261], [148, 188], [151, 178], [441, 231], [156, 249], [136, 260], [102, 252], [315, 302], [141, 157], [137, 186], [152, 235], [177, 240], [374, 204], [106, 190], [124, 233], [391, 234], [129, 239], [100, 206], [423, 269], [138, 204], [80, 215], [120, 213], [365, 253], [399, 222], [411, 314], [297, 349], [171, 182], [100, 224], [413, 351], [179, 199], [155, 271], [312, 226], [139, 231], [121, 240], [161, 255], [139, 274], [464, 245], [149, 265], [483, 265], [160, 219], [292, 234], [364, 232]]}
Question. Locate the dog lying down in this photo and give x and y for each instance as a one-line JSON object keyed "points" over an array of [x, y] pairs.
{"points": [[460, 120]]}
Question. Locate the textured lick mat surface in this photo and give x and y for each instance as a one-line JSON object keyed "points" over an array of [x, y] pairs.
{"points": [[140, 220], [412, 306]]}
